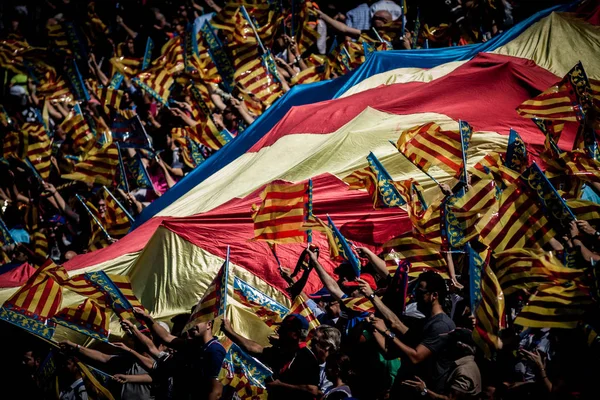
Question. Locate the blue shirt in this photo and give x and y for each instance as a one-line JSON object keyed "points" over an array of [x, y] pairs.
{"points": [[359, 17]]}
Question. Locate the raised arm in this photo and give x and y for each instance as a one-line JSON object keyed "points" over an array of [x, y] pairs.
{"points": [[377, 262], [84, 351], [327, 279], [158, 331], [388, 315], [340, 26], [129, 31], [247, 345]]}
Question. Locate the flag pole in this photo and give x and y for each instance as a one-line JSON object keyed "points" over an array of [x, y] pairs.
{"points": [[93, 216], [119, 204], [122, 167], [247, 17], [419, 168]]}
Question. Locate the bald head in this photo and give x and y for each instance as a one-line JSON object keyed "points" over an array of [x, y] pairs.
{"points": [[380, 18]]}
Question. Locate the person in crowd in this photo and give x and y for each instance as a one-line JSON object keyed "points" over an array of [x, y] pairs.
{"points": [[74, 387], [296, 371], [338, 371], [464, 381], [136, 383], [326, 340], [196, 363]]}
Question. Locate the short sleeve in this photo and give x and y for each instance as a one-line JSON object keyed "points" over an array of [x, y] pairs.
{"points": [[214, 361], [434, 339], [462, 384]]}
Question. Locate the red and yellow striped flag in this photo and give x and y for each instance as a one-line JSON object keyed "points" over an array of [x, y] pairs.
{"points": [[427, 145], [420, 253], [490, 315], [359, 304], [108, 97], [555, 306], [300, 307], [520, 268], [99, 166], [156, 82], [567, 100], [117, 222], [31, 142], [307, 34], [207, 134], [40, 243], [214, 301], [470, 208], [519, 222], [77, 128], [35, 302], [123, 284], [89, 318], [283, 210]]}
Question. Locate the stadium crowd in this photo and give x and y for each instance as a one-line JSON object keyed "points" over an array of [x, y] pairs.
{"points": [[107, 105]]}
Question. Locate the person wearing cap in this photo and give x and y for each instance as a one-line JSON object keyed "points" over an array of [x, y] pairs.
{"points": [[196, 364], [464, 381], [295, 367]]}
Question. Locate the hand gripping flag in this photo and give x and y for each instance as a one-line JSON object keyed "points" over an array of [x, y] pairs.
{"points": [[284, 208], [516, 152], [245, 374], [490, 314], [567, 100], [300, 307], [214, 301], [343, 248], [32, 306], [89, 318], [264, 307]]}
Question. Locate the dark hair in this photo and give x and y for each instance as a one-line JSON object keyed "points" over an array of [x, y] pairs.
{"points": [[343, 364], [435, 283]]}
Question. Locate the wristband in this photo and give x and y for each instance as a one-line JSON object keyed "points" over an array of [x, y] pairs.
{"points": [[371, 296], [77, 347], [597, 234], [390, 334]]}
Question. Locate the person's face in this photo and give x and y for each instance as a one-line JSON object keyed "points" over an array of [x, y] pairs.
{"points": [[380, 19], [130, 46], [229, 115], [180, 29], [199, 329], [288, 338], [334, 309], [30, 362], [102, 208], [424, 298], [320, 347], [331, 372], [71, 367]]}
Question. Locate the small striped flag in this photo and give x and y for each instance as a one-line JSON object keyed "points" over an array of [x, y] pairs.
{"points": [[283, 211], [567, 100], [300, 307], [359, 304], [214, 301], [490, 314], [246, 375], [99, 166], [421, 254], [427, 145]]}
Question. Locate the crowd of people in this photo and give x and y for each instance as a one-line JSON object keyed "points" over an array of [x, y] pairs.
{"points": [[75, 174], [58, 142]]}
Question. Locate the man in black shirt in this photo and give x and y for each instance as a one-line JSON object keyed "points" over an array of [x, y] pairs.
{"points": [[295, 367], [424, 360]]}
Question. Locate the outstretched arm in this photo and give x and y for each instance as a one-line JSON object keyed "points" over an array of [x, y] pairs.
{"points": [[340, 26], [247, 345], [327, 279], [159, 331]]}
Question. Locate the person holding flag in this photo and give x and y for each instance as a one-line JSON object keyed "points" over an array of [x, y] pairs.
{"points": [[295, 367], [197, 362]]}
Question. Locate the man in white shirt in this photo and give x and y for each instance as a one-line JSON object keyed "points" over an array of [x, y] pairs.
{"points": [[77, 389]]}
